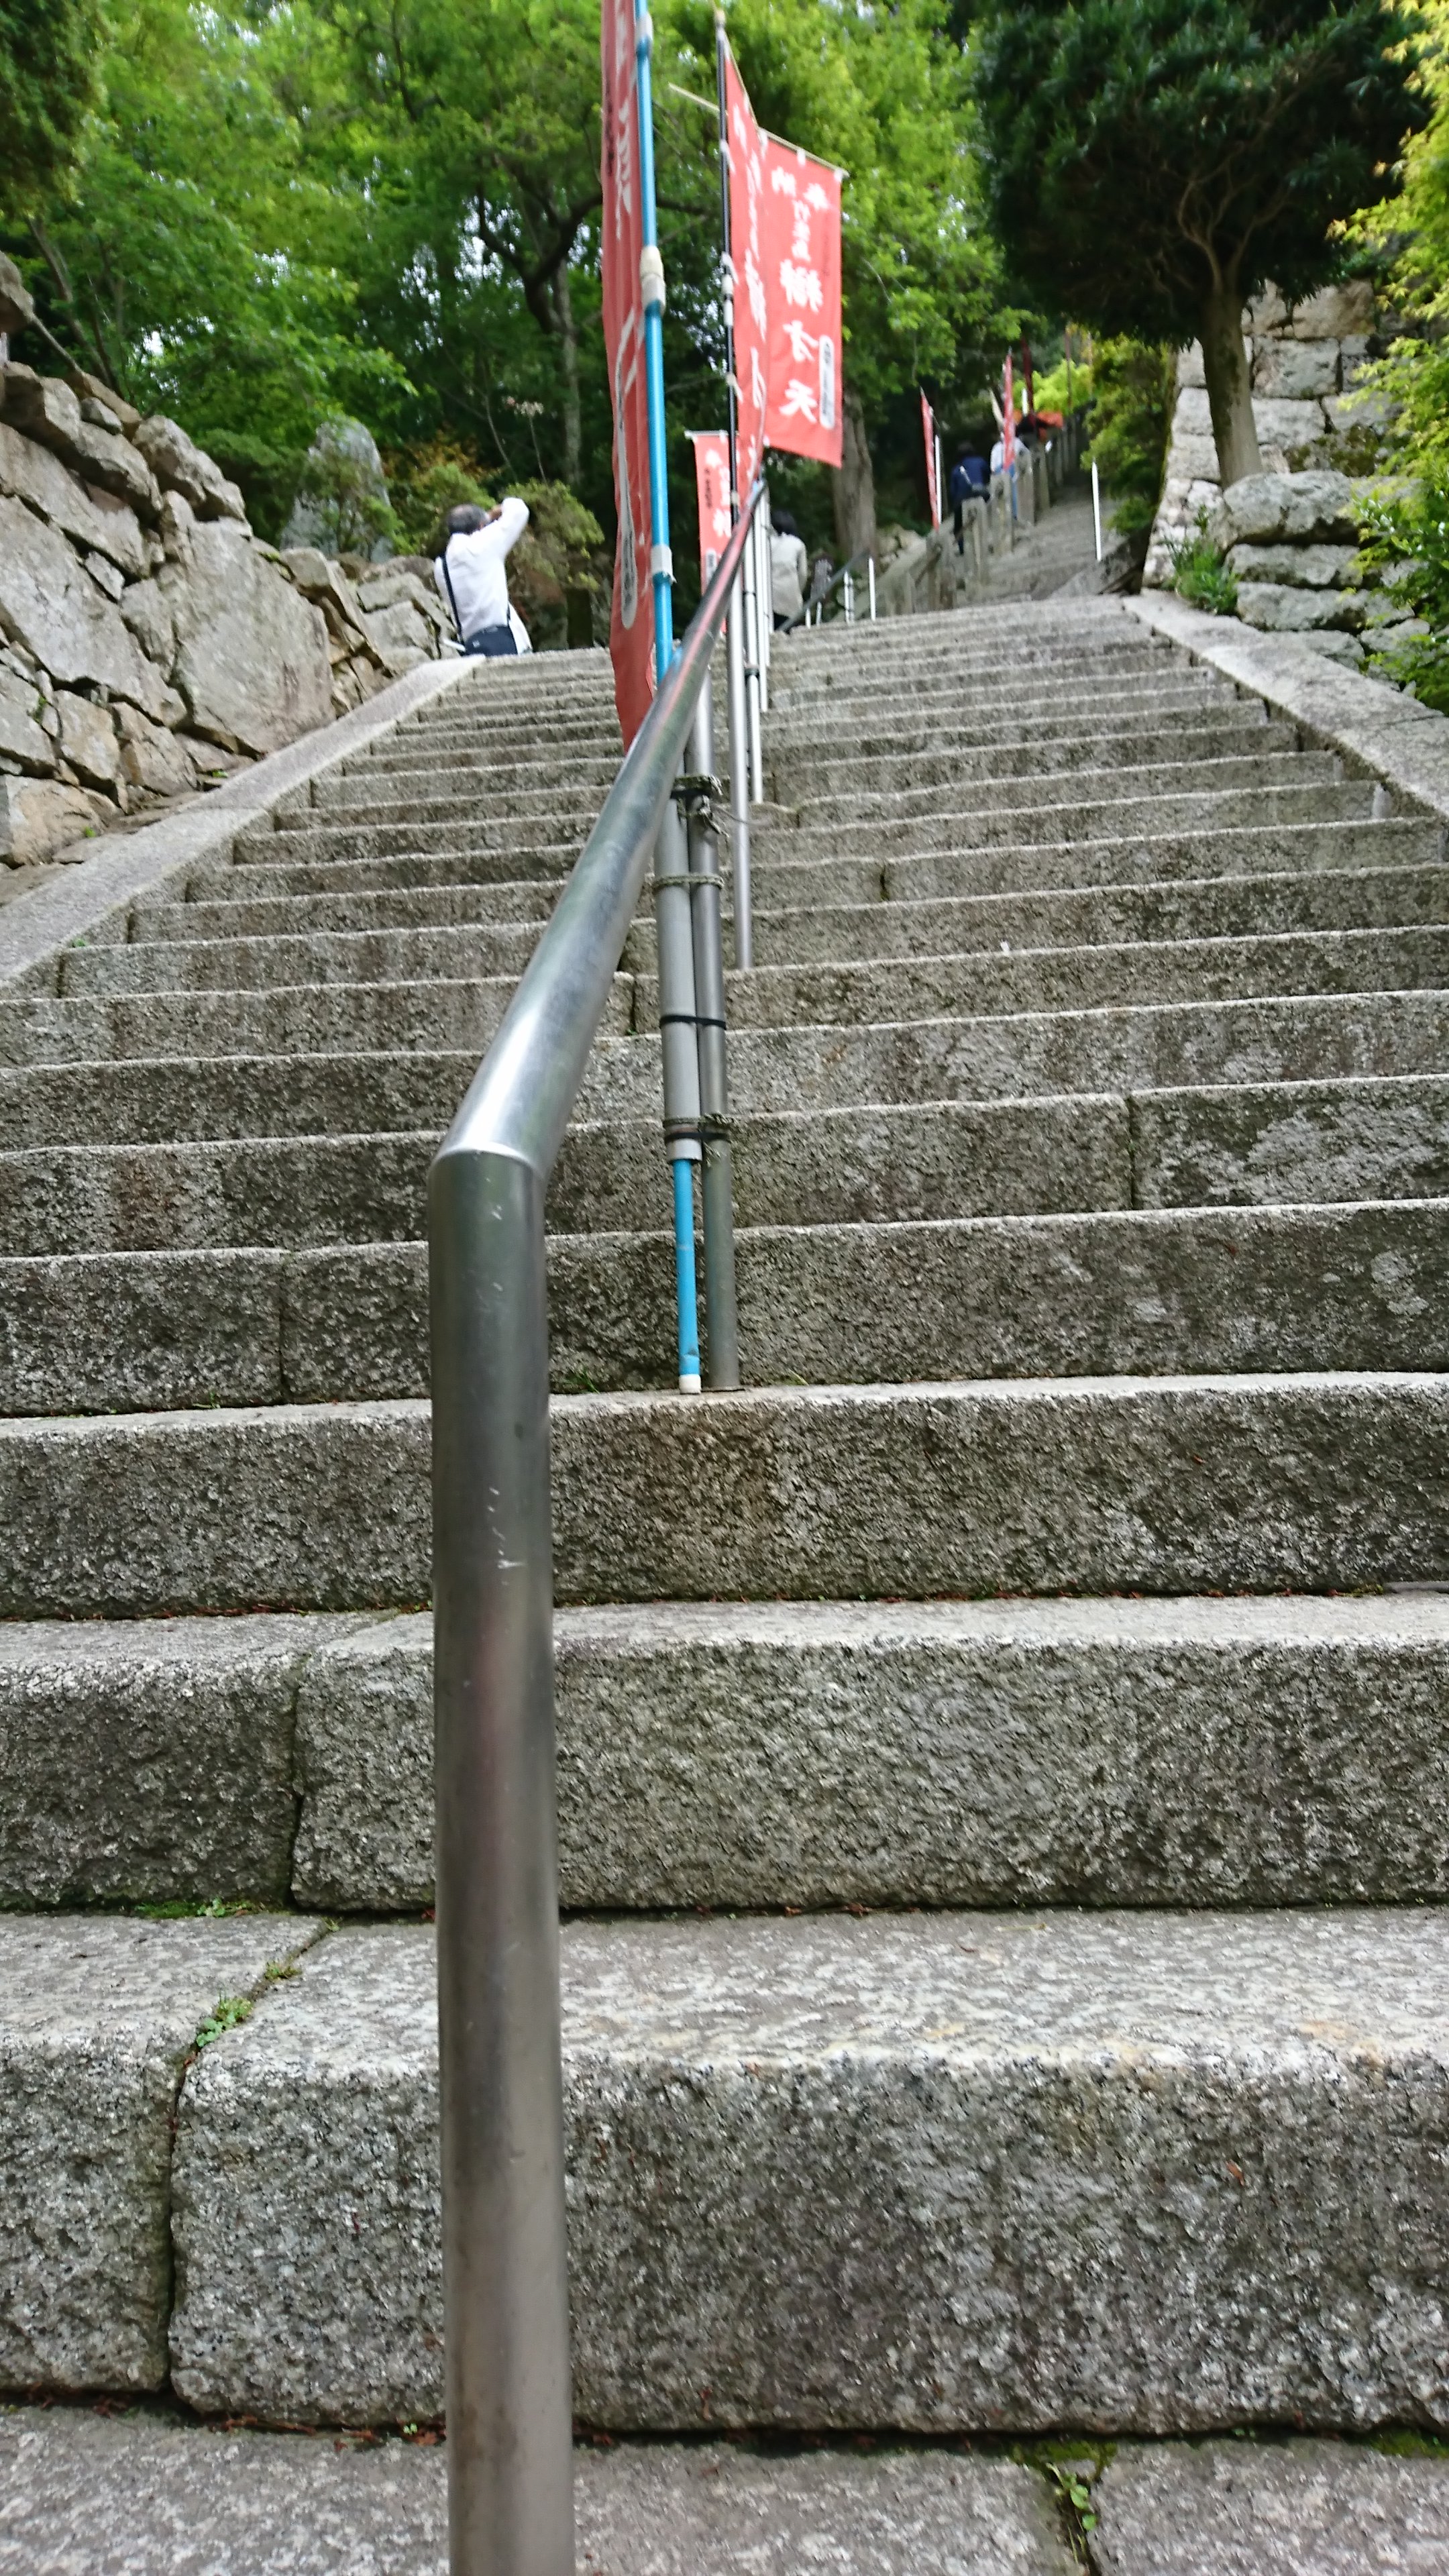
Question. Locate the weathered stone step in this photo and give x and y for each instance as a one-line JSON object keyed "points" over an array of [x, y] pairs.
{"points": [[298, 1019], [100, 2019], [1182, 908], [1237, 850], [1107, 816], [1060, 979], [1083, 709], [1107, 1752], [485, 843], [263, 916], [1079, 700], [78, 2488], [862, 768], [543, 816], [954, 2171], [298, 1185], [1139, 1293], [1266, 1483], [471, 949]]}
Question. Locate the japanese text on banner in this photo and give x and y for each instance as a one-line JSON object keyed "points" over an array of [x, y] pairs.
{"points": [[712, 488], [631, 630], [746, 147], [801, 231]]}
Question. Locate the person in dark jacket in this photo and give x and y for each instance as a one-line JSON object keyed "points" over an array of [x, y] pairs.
{"points": [[969, 481]]}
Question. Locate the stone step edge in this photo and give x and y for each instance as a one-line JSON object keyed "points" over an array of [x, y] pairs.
{"points": [[98, 891], [312, 1738]]}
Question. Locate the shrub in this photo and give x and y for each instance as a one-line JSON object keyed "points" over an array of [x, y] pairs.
{"points": [[1134, 390], [1199, 574], [1406, 541]]}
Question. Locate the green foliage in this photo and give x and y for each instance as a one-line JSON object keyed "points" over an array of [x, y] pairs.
{"points": [[428, 481], [224, 2016], [48, 59], [341, 486], [1406, 540], [1143, 155], [1408, 236], [1133, 389], [1199, 574]]}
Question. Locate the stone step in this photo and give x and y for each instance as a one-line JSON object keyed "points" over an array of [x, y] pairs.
{"points": [[1311, 1482], [1069, 917], [1103, 1752], [1078, 700], [926, 760], [1178, 775], [1108, 915], [1133, 1292], [79, 2489], [948, 2172], [1060, 979], [306, 1152], [1104, 817]]}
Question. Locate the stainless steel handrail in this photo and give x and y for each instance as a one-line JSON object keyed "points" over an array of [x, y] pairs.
{"points": [[505, 2286]]}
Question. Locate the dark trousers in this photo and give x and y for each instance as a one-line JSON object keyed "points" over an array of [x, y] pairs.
{"points": [[491, 640]]}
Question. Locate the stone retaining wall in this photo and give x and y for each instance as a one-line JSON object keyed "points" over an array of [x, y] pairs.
{"points": [[150, 643], [1306, 362]]}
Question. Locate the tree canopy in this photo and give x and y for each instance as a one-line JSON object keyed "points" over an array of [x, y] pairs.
{"points": [[1151, 163]]}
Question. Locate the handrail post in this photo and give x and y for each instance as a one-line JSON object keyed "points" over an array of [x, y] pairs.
{"points": [[764, 601], [674, 935], [506, 2323], [739, 724], [870, 576], [752, 671], [717, 1181]]}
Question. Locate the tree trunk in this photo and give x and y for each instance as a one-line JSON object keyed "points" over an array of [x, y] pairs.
{"points": [[854, 496], [1229, 385], [568, 341]]}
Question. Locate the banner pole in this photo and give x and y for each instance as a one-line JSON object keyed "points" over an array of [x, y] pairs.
{"points": [[651, 288], [738, 697]]}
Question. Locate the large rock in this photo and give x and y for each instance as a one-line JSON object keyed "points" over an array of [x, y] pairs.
{"points": [[84, 386], [1264, 508], [342, 481], [1296, 370], [400, 636], [45, 409], [88, 739], [32, 473], [40, 816], [180, 466], [251, 654], [147, 611], [1311, 567], [1282, 608], [16, 307], [22, 736], [152, 759], [50, 604]]}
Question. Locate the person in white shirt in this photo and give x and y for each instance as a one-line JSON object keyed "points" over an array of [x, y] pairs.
{"points": [[789, 569], [471, 575]]}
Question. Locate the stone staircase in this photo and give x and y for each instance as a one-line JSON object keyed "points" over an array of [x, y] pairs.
{"points": [[1002, 1751]]}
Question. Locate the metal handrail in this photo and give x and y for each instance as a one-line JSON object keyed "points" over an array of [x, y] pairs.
{"points": [[843, 575], [505, 2286]]}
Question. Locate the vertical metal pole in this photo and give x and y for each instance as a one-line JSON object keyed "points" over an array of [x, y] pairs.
{"points": [[870, 576], [717, 1188], [1097, 508], [847, 589], [765, 594], [739, 777], [674, 933], [752, 673], [651, 287], [505, 2282]]}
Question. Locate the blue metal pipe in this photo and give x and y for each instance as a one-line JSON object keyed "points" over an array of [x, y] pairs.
{"points": [[686, 1284]]}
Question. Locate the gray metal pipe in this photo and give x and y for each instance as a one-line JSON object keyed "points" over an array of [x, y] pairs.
{"points": [[717, 1179], [505, 2284], [739, 725]]}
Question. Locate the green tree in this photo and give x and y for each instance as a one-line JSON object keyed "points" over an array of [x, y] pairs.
{"points": [[1153, 163], [1133, 388], [48, 59], [1407, 237]]}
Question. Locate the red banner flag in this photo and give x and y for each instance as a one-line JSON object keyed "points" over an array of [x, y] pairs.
{"points": [[933, 480], [712, 489], [800, 227], [631, 630], [1008, 423], [746, 148]]}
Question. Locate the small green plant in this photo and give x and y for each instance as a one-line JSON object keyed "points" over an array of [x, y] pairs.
{"points": [[1199, 574], [224, 2016], [1406, 542], [1133, 390]]}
